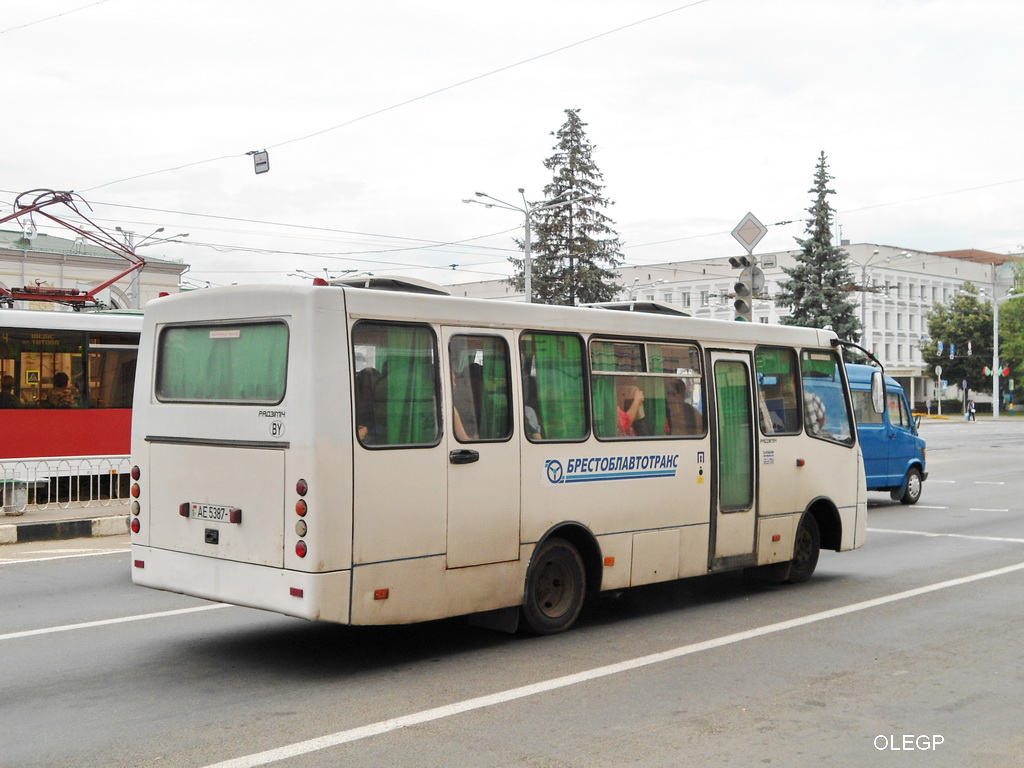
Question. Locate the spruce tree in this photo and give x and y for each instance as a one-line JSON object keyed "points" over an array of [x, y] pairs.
{"points": [[819, 284], [574, 250]]}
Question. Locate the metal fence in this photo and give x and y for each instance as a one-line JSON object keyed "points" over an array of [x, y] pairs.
{"points": [[80, 482]]}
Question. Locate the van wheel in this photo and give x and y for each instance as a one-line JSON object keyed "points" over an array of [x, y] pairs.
{"points": [[805, 551], [555, 587], [913, 487]]}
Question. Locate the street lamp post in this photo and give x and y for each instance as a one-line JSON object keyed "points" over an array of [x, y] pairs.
{"points": [[527, 210], [996, 368], [129, 241]]}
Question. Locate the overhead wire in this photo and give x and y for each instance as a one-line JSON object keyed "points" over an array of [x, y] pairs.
{"points": [[51, 18], [412, 100]]}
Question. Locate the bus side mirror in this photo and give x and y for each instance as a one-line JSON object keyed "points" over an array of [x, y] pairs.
{"points": [[877, 392]]}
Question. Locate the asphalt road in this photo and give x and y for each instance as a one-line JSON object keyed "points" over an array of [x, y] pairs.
{"points": [[907, 652]]}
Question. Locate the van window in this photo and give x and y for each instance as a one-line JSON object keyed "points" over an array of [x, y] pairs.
{"points": [[237, 363], [863, 409], [898, 415]]}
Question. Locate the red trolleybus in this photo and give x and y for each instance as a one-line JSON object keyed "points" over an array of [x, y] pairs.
{"points": [[67, 382]]}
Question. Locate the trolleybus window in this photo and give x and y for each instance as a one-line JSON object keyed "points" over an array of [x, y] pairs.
{"points": [[826, 414], [245, 363], [48, 366], [777, 404], [481, 394], [396, 385], [646, 389], [553, 387]]}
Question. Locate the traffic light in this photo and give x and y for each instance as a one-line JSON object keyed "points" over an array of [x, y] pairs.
{"points": [[749, 283], [744, 302]]}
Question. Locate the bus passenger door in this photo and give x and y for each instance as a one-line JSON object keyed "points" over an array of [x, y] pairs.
{"points": [[483, 450], [735, 514]]}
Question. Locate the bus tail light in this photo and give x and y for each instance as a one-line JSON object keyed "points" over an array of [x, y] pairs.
{"points": [[136, 525], [183, 509], [381, 594], [301, 548], [295, 591], [136, 473]]}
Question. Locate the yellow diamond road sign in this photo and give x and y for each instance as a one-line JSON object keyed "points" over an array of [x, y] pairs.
{"points": [[749, 232]]}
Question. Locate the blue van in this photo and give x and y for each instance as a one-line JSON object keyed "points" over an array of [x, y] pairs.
{"points": [[894, 451]]}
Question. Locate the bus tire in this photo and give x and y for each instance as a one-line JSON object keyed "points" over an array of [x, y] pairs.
{"points": [[556, 584], [912, 487], [805, 550]]}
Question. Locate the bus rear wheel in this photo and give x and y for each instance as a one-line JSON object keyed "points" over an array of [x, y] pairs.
{"points": [[556, 584], [805, 551]]}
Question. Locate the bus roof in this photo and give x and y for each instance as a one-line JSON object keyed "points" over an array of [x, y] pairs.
{"points": [[119, 321], [255, 301]]}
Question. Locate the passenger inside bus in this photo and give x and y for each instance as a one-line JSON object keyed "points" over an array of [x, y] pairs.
{"points": [[62, 395], [464, 419], [683, 418], [631, 412], [7, 397]]}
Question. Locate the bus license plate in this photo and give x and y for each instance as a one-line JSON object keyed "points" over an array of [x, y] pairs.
{"points": [[211, 513]]}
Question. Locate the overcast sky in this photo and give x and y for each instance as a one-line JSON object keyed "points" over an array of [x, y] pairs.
{"points": [[380, 117]]}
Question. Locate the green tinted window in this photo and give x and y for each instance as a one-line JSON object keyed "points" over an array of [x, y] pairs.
{"points": [[553, 389], [396, 385], [244, 363]]}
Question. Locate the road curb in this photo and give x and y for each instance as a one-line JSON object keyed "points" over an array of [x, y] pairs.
{"points": [[52, 530]]}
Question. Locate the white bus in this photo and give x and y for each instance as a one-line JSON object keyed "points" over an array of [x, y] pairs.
{"points": [[372, 457]]}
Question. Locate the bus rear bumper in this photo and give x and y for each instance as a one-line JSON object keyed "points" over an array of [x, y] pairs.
{"points": [[313, 596]]}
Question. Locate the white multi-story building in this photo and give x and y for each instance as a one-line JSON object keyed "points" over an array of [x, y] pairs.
{"points": [[894, 288]]}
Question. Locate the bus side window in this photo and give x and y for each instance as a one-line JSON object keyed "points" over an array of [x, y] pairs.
{"points": [[826, 413], [778, 411], [395, 385], [481, 388], [553, 385]]}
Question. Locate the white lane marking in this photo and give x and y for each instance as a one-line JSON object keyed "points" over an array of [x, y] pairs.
{"points": [[922, 506], [71, 554], [450, 710], [108, 622], [989, 482], [985, 509], [928, 534]]}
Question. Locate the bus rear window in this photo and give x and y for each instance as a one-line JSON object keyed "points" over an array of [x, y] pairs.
{"points": [[244, 363]]}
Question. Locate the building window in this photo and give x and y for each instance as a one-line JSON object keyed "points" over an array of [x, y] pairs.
{"points": [[684, 299]]}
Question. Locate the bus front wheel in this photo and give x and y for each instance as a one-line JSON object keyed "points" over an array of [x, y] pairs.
{"points": [[555, 587], [805, 551]]}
